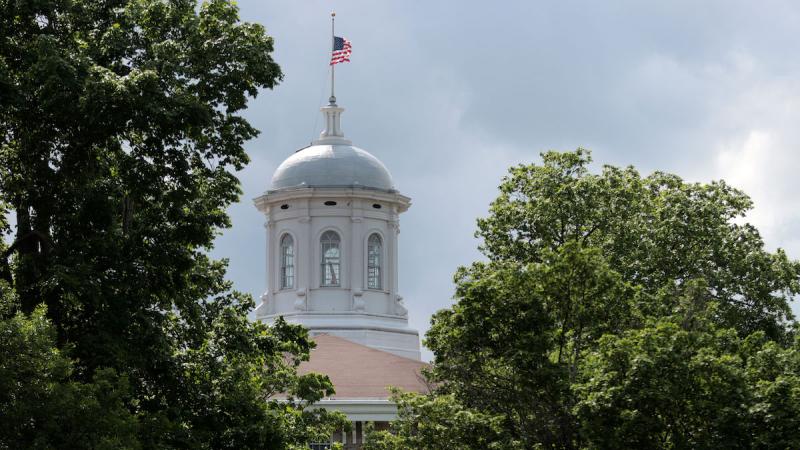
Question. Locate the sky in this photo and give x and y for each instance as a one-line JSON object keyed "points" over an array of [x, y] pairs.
{"points": [[449, 94]]}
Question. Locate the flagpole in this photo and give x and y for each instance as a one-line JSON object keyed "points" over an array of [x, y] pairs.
{"points": [[332, 100]]}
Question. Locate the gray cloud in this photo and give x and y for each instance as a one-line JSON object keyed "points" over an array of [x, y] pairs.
{"points": [[449, 94]]}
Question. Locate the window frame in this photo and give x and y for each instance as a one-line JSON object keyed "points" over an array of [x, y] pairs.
{"points": [[378, 265], [336, 243], [282, 264]]}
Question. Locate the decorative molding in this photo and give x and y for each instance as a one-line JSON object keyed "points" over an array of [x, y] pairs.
{"points": [[358, 301], [399, 307], [266, 306], [301, 304], [401, 203]]}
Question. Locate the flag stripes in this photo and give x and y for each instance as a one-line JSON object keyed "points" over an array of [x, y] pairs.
{"points": [[341, 50]]}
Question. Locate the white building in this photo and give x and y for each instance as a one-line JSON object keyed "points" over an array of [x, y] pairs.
{"points": [[332, 225]]}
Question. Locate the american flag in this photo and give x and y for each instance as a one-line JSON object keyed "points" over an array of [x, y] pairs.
{"points": [[341, 50]]}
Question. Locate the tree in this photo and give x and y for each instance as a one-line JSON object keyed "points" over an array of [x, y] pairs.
{"points": [[654, 231], [674, 383], [681, 382], [120, 130], [439, 423], [615, 311], [511, 344], [773, 376], [41, 406]]}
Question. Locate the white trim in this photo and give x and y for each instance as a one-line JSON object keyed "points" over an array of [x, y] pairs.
{"points": [[361, 410], [263, 202], [335, 314]]}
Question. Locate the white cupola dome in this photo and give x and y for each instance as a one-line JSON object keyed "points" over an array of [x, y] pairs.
{"points": [[332, 161], [332, 166]]}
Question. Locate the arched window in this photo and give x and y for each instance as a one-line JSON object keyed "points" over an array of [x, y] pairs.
{"points": [[374, 260], [287, 262], [331, 259]]}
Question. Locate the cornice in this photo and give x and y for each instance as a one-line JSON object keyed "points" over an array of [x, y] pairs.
{"points": [[265, 201]]}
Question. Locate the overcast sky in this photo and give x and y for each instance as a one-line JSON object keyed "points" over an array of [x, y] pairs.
{"points": [[449, 94]]}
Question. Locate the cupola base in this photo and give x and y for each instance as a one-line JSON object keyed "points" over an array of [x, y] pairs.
{"points": [[381, 332]]}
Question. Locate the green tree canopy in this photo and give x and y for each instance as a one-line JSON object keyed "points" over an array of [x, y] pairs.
{"points": [[42, 406], [615, 311], [654, 231], [679, 383], [120, 131], [440, 423]]}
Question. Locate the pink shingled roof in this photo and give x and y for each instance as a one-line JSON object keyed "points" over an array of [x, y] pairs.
{"points": [[362, 372]]}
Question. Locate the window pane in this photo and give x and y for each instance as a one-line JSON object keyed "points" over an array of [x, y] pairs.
{"points": [[287, 262], [330, 259], [374, 256]]}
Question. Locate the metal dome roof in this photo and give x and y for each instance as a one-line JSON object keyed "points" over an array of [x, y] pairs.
{"points": [[332, 161], [332, 165]]}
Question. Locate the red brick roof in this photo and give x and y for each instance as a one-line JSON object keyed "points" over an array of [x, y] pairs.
{"points": [[358, 371]]}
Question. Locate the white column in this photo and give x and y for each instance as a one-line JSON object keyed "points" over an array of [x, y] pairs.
{"points": [[391, 260], [268, 300], [267, 262], [272, 285], [395, 255], [356, 248], [304, 266]]}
